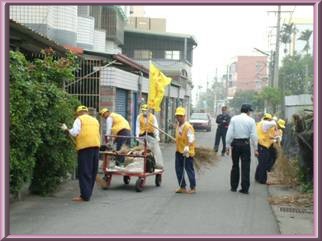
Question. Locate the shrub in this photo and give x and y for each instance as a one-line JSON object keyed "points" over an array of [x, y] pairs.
{"points": [[39, 150]]}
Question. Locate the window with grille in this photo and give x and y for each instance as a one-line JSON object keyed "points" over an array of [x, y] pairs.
{"points": [[175, 55]]}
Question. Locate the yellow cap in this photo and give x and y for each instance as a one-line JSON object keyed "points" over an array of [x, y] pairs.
{"points": [[267, 116], [144, 107], [102, 111], [180, 111], [281, 123], [81, 108]]}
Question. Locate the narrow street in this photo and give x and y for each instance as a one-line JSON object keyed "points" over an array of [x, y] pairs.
{"points": [[213, 210]]}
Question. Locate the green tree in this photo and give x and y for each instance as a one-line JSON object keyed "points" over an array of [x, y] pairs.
{"points": [[296, 75], [286, 34], [305, 36], [246, 96], [272, 97]]}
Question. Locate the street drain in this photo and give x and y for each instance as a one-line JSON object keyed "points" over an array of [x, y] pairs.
{"points": [[296, 210]]}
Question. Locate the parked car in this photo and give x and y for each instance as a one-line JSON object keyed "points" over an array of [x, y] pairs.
{"points": [[200, 121]]}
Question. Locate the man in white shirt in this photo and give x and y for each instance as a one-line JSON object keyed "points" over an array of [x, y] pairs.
{"points": [[241, 129]]}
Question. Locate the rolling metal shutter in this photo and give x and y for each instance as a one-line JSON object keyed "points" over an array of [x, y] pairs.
{"points": [[121, 102]]}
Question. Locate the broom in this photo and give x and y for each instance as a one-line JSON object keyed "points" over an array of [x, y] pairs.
{"points": [[283, 169], [204, 158]]}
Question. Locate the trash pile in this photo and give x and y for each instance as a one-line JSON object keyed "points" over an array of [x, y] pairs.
{"points": [[134, 157], [298, 200]]}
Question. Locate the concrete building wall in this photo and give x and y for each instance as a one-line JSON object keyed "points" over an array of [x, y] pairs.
{"points": [[58, 23], [112, 48], [99, 40], [149, 24], [250, 72]]}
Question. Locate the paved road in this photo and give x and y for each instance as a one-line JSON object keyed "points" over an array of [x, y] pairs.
{"points": [[213, 210]]}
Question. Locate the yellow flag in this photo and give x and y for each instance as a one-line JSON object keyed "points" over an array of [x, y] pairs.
{"points": [[158, 82]]}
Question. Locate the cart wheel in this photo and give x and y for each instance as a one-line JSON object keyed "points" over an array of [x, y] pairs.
{"points": [[126, 179], [107, 178], [139, 184], [158, 180]]}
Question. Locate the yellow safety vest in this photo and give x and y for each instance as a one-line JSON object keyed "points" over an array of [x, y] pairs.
{"points": [[119, 123], [265, 138], [146, 126], [182, 140], [89, 135]]}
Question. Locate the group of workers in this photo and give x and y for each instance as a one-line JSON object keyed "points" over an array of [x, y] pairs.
{"points": [[86, 130], [242, 130], [238, 131], [269, 131]]}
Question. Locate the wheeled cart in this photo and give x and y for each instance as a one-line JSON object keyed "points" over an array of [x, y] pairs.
{"points": [[148, 169]]}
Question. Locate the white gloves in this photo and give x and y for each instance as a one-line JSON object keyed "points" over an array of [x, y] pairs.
{"points": [[186, 151], [63, 127], [278, 138], [157, 138]]}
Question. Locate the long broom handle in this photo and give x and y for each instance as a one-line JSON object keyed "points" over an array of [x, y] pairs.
{"points": [[174, 139]]}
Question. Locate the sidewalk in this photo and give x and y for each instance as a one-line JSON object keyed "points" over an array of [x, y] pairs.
{"points": [[291, 217]]}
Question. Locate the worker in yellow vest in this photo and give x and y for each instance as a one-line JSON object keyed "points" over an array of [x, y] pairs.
{"points": [[280, 125], [279, 131], [266, 137], [86, 129], [185, 151], [147, 124], [116, 125]]}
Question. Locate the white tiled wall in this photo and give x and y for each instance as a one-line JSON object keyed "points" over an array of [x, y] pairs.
{"points": [[85, 30]]}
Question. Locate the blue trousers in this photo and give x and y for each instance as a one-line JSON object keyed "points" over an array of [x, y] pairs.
{"points": [[186, 163], [266, 160], [87, 170]]}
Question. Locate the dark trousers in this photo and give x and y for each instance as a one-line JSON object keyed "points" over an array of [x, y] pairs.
{"points": [[266, 160], [273, 154], [240, 150], [87, 170], [220, 134], [120, 141], [186, 163]]}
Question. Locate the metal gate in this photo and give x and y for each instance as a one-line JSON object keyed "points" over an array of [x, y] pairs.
{"points": [[86, 87], [121, 102]]}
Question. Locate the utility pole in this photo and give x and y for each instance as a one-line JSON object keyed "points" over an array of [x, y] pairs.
{"points": [[277, 48], [215, 90], [227, 76], [275, 82]]}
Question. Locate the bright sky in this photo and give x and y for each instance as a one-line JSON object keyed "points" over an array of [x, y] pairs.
{"points": [[223, 32]]}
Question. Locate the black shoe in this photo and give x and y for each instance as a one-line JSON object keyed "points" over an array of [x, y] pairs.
{"points": [[243, 191], [233, 190]]}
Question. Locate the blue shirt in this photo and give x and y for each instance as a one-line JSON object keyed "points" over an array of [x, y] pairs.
{"points": [[240, 127]]}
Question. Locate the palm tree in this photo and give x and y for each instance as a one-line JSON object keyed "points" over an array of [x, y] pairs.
{"points": [[286, 34], [305, 36]]}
